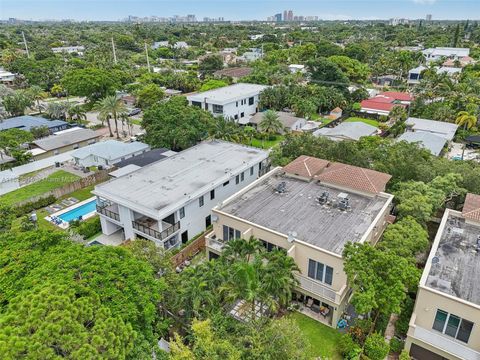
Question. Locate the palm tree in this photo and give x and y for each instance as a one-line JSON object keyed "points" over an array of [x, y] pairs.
{"points": [[112, 106], [37, 94], [58, 110], [270, 123], [240, 249], [466, 119], [228, 130], [105, 118], [398, 114], [77, 113]]}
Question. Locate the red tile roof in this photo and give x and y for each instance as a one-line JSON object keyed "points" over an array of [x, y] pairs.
{"points": [[471, 207], [348, 176], [397, 95], [354, 177], [376, 105], [306, 166]]}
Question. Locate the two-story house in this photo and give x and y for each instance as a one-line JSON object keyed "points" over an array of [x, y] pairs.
{"points": [[170, 201], [310, 208], [445, 323], [236, 102]]}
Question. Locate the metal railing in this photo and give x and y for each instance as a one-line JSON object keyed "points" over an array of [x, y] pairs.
{"points": [[159, 235], [315, 287], [102, 209]]}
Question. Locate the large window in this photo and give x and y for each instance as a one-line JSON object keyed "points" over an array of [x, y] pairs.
{"points": [[250, 101], [230, 233], [217, 109], [212, 194], [452, 325], [320, 272], [270, 247], [197, 104], [201, 201], [182, 212]]}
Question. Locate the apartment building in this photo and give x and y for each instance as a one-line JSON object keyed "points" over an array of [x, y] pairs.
{"points": [[311, 208], [170, 201], [445, 323], [237, 102]]}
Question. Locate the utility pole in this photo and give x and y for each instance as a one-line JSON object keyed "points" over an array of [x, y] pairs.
{"points": [[146, 54], [114, 53], [26, 47]]}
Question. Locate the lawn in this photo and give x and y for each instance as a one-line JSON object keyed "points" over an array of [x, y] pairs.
{"points": [[53, 181], [366, 121], [267, 144], [136, 121], [324, 340]]}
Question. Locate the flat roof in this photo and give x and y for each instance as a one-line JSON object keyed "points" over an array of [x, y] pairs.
{"points": [[432, 142], [144, 159], [26, 122], [228, 94], [65, 138], [297, 210], [454, 263], [347, 130], [440, 128], [110, 149], [181, 177]]}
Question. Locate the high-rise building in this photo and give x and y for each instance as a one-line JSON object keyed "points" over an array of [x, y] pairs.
{"points": [[285, 15], [428, 17], [290, 15], [278, 17]]}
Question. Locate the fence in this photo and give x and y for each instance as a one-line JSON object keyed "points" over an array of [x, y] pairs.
{"points": [[66, 189], [189, 251]]}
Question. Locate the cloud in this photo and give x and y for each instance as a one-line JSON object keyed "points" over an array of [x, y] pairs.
{"points": [[425, 2]]}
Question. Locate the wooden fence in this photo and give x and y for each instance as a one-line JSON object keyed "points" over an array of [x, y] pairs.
{"points": [[189, 251], [66, 189]]}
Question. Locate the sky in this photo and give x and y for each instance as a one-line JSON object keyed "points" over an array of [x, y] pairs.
{"points": [[239, 9]]}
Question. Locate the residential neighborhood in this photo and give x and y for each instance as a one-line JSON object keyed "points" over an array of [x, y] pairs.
{"points": [[240, 181]]}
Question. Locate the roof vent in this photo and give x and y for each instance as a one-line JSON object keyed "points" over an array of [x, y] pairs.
{"points": [[323, 199], [291, 236], [435, 260], [281, 187]]}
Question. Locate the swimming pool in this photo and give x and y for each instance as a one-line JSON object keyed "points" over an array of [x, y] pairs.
{"points": [[82, 210]]}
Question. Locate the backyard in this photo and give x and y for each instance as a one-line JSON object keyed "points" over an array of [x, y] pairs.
{"points": [[366, 121], [53, 181], [323, 339], [267, 143]]}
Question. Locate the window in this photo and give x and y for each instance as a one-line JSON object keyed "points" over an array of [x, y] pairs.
{"points": [[250, 101], [212, 194], [237, 103], [197, 104], [251, 171], [201, 201], [270, 247], [237, 179], [242, 114], [242, 176], [320, 272], [226, 183], [230, 233], [236, 117], [182, 212], [452, 325], [217, 109]]}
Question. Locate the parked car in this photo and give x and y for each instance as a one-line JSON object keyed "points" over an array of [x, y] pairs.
{"points": [[134, 112]]}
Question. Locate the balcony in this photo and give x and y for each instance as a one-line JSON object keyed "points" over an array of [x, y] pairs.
{"points": [[108, 209], [151, 229], [445, 343], [214, 243], [316, 288]]}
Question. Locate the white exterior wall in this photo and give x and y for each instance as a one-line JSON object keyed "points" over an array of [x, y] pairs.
{"points": [[93, 160], [231, 109]]}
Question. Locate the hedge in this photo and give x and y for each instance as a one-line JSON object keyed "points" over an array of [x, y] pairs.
{"points": [[87, 228], [34, 205]]}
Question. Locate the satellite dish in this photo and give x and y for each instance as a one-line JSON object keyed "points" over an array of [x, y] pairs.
{"points": [[214, 218], [291, 236], [435, 260]]}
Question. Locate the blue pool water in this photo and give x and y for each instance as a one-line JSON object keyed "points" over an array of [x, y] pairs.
{"points": [[74, 214]]}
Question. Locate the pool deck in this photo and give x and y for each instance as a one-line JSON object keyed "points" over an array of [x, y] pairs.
{"points": [[64, 225]]}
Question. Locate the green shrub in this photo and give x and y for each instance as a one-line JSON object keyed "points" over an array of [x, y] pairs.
{"points": [[34, 205], [383, 118], [401, 326], [87, 228], [349, 348], [396, 346], [404, 355], [376, 348]]}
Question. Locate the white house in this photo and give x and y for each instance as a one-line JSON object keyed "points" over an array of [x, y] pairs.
{"points": [[108, 152], [6, 77], [69, 49], [170, 201], [434, 54], [252, 55], [415, 75], [237, 102], [296, 68]]}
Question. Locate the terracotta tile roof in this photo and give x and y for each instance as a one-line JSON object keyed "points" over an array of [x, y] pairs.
{"points": [[471, 207], [375, 105], [354, 177], [306, 166], [397, 95]]}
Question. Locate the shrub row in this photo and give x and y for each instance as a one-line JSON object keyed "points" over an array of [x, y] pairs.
{"points": [[34, 205]]}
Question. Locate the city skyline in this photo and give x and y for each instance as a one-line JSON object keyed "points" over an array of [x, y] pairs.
{"points": [[239, 10]]}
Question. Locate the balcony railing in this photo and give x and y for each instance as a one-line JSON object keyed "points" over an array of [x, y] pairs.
{"points": [[316, 288], [105, 209], [214, 243], [159, 235]]}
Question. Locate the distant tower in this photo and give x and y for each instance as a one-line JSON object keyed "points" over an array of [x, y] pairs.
{"points": [[278, 17], [290, 15], [285, 15], [428, 17]]}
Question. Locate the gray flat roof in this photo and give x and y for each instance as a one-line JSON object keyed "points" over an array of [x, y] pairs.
{"points": [[64, 139], [228, 94], [181, 177], [110, 149], [350, 130], [26, 122], [440, 128], [455, 267], [297, 210]]}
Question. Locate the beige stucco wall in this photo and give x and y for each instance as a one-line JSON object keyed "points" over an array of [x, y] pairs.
{"points": [[426, 308], [64, 149]]}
